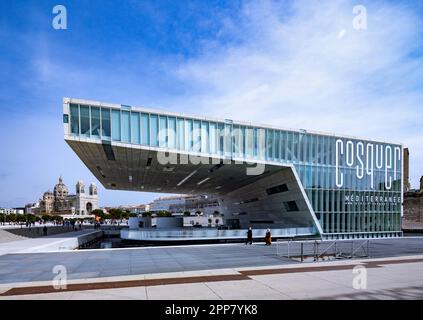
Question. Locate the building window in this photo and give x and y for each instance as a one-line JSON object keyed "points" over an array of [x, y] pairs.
{"points": [[163, 131], [116, 125], [95, 121], [171, 132], [105, 123], [291, 206], [74, 115], [85, 120], [277, 189], [145, 129], [154, 130], [135, 127], [126, 126]]}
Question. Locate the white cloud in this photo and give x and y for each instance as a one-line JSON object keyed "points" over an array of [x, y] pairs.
{"points": [[290, 67]]}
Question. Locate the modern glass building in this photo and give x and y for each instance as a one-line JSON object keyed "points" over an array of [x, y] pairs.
{"points": [[329, 185]]}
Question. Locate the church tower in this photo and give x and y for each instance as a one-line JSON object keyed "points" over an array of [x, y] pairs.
{"points": [[80, 187], [93, 189]]}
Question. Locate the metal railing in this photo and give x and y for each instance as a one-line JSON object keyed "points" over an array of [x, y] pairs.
{"points": [[323, 249]]}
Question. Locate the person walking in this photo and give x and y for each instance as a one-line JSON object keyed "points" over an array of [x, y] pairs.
{"points": [[249, 236], [268, 238], [45, 230]]}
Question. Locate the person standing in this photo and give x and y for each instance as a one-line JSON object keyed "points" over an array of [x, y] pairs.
{"points": [[268, 238], [249, 236]]}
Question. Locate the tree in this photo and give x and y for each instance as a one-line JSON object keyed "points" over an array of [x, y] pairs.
{"points": [[99, 213], [46, 217], [187, 213], [216, 213], [164, 213], [217, 221], [198, 212], [116, 214]]}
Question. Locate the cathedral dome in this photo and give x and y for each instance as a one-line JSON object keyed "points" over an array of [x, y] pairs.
{"points": [[60, 189]]}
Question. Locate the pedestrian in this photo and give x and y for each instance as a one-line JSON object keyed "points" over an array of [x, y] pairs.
{"points": [[249, 236], [268, 238], [45, 230]]}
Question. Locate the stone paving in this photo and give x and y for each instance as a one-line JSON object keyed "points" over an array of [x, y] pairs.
{"points": [[88, 264], [394, 278]]}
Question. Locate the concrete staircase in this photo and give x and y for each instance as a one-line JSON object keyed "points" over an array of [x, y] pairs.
{"points": [[6, 236]]}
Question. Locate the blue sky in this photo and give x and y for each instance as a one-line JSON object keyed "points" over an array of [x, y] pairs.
{"points": [[275, 62]]}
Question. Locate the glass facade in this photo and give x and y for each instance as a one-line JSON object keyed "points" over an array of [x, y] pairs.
{"points": [[354, 186]]}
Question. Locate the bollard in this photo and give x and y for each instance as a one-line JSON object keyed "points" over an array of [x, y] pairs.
{"points": [[302, 252]]}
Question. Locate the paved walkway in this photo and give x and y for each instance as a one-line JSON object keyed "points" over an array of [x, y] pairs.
{"points": [[88, 264], [389, 278], [63, 241]]}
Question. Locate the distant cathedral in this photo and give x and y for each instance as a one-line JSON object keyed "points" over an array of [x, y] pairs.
{"points": [[61, 202]]}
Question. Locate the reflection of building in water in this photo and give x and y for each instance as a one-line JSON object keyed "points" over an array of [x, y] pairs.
{"points": [[61, 202]]}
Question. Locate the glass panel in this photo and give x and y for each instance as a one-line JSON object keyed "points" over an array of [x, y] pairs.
{"points": [[249, 142], [116, 125], [181, 135], [205, 136], [85, 120], [163, 132], [135, 127], [188, 134], [95, 121], [277, 145], [145, 129], [213, 138], [105, 123], [126, 126], [255, 142], [269, 148], [221, 135], [171, 133], [74, 114], [261, 143], [154, 130], [197, 136], [228, 140]]}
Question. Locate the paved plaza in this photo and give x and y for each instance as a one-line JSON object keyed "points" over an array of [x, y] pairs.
{"points": [[214, 271], [390, 278], [84, 264]]}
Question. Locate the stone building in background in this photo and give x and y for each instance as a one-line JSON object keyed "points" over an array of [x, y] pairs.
{"points": [[406, 175], [60, 202], [413, 209]]}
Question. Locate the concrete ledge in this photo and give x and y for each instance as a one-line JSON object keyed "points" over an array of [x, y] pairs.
{"points": [[63, 242]]}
